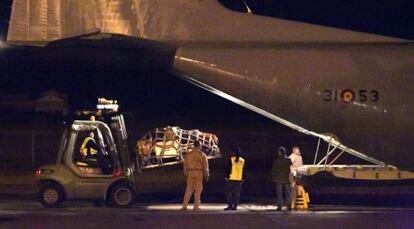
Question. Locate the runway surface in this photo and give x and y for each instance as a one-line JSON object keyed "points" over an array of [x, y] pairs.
{"points": [[83, 214]]}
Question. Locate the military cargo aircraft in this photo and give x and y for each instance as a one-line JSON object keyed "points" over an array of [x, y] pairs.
{"points": [[354, 87]]}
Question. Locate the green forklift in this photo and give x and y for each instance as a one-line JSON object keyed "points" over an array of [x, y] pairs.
{"points": [[107, 175]]}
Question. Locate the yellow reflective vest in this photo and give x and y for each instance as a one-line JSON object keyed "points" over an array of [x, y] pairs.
{"points": [[84, 149], [236, 169]]}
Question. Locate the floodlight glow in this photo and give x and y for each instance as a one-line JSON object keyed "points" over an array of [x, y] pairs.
{"points": [[107, 106]]}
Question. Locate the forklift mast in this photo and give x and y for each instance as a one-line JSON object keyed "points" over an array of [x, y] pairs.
{"points": [[108, 112], [118, 129]]}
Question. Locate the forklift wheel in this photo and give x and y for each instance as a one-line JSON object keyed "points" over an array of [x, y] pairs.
{"points": [[122, 196], [51, 196]]}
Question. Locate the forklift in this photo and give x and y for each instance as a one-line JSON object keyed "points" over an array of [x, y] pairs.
{"points": [[108, 175]]}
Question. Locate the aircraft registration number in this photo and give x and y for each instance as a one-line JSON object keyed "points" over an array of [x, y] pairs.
{"points": [[349, 95]]}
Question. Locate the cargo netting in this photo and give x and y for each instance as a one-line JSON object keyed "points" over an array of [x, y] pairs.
{"points": [[170, 144]]}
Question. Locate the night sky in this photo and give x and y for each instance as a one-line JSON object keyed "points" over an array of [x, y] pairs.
{"points": [[4, 17]]}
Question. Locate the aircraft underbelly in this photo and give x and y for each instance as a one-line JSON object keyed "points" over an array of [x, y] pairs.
{"points": [[292, 83]]}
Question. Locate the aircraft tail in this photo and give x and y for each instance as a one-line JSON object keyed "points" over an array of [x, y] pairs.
{"points": [[173, 20], [47, 20]]}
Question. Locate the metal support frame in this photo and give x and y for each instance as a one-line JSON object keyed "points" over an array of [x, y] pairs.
{"points": [[372, 170], [333, 147], [317, 151]]}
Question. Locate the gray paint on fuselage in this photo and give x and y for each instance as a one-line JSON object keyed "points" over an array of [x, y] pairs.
{"points": [[290, 81]]}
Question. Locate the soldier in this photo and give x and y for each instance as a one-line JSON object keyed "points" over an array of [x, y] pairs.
{"points": [[195, 169]]}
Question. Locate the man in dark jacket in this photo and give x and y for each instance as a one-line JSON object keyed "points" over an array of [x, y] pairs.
{"points": [[280, 175]]}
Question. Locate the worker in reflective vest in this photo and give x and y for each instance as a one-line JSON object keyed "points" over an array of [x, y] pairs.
{"points": [[234, 179], [89, 148]]}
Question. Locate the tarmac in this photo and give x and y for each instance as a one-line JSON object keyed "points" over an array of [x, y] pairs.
{"points": [[20, 209], [24, 213]]}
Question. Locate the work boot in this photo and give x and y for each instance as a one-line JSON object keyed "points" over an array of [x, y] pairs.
{"points": [[183, 208], [234, 208], [228, 208], [197, 208]]}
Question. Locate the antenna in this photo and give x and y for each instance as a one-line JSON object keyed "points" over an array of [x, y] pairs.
{"points": [[249, 11]]}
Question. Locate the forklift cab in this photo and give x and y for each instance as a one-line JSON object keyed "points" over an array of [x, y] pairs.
{"points": [[104, 161], [107, 174]]}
